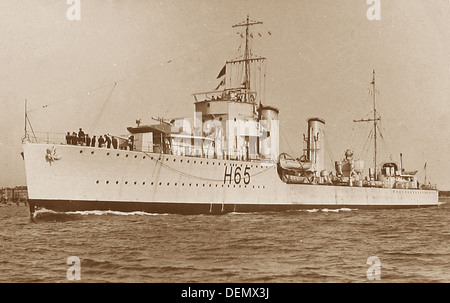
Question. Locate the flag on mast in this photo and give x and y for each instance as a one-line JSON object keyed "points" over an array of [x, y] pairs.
{"points": [[220, 84], [222, 72]]}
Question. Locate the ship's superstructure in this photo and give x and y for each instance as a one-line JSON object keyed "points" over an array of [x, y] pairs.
{"points": [[224, 158]]}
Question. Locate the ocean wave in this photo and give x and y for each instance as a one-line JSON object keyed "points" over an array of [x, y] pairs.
{"points": [[334, 210], [48, 212], [113, 212], [314, 210]]}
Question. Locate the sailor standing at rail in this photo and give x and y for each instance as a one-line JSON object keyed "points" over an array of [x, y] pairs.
{"points": [[108, 141], [81, 137], [101, 141], [114, 142], [74, 138]]}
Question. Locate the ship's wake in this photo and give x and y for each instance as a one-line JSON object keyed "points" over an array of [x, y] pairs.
{"points": [[50, 215]]}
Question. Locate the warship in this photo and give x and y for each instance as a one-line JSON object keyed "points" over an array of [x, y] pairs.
{"points": [[226, 158]]}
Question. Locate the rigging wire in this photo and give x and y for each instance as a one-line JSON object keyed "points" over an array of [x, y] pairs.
{"points": [[283, 137], [194, 176], [328, 148], [150, 68], [384, 141], [102, 109], [365, 151]]}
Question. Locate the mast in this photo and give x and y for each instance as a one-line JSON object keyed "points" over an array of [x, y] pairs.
{"points": [[247, 58], [374, 120], [25, 120], [374, 124]]}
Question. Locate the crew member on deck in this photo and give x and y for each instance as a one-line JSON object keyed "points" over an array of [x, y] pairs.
{"points": [[74, 138], [94, 138], [101, 141], [114, 142], [81, 137], [108, 141]]}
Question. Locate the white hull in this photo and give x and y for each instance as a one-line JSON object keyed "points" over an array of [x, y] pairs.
{"points": [[77, 178]]}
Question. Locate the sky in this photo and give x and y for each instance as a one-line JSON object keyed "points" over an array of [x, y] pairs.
{"points": [[127, 60]]}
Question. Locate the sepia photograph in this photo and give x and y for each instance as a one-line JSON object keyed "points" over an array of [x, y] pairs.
{"points": [[223, 147]]}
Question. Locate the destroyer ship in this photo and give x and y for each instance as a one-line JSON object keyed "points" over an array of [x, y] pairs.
{"points": [[225, 159]]}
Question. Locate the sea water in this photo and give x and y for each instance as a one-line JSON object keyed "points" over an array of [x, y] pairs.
{"points": [[315, 245]]}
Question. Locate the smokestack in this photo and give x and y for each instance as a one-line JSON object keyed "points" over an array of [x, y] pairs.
{"points": [[316, 151]]}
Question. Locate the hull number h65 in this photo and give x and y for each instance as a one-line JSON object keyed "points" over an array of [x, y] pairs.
{"points": [[237, 175]]}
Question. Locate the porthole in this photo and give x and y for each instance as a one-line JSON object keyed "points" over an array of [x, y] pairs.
{"points": [[143, 183], [97, 181], [126, 182], [107, 154], [160, 183], [135, 182], [81, 151], [92, 152], [126, 156], [151, 183], [143, 157], [107, 182], [117, 182], [135, 156]]}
